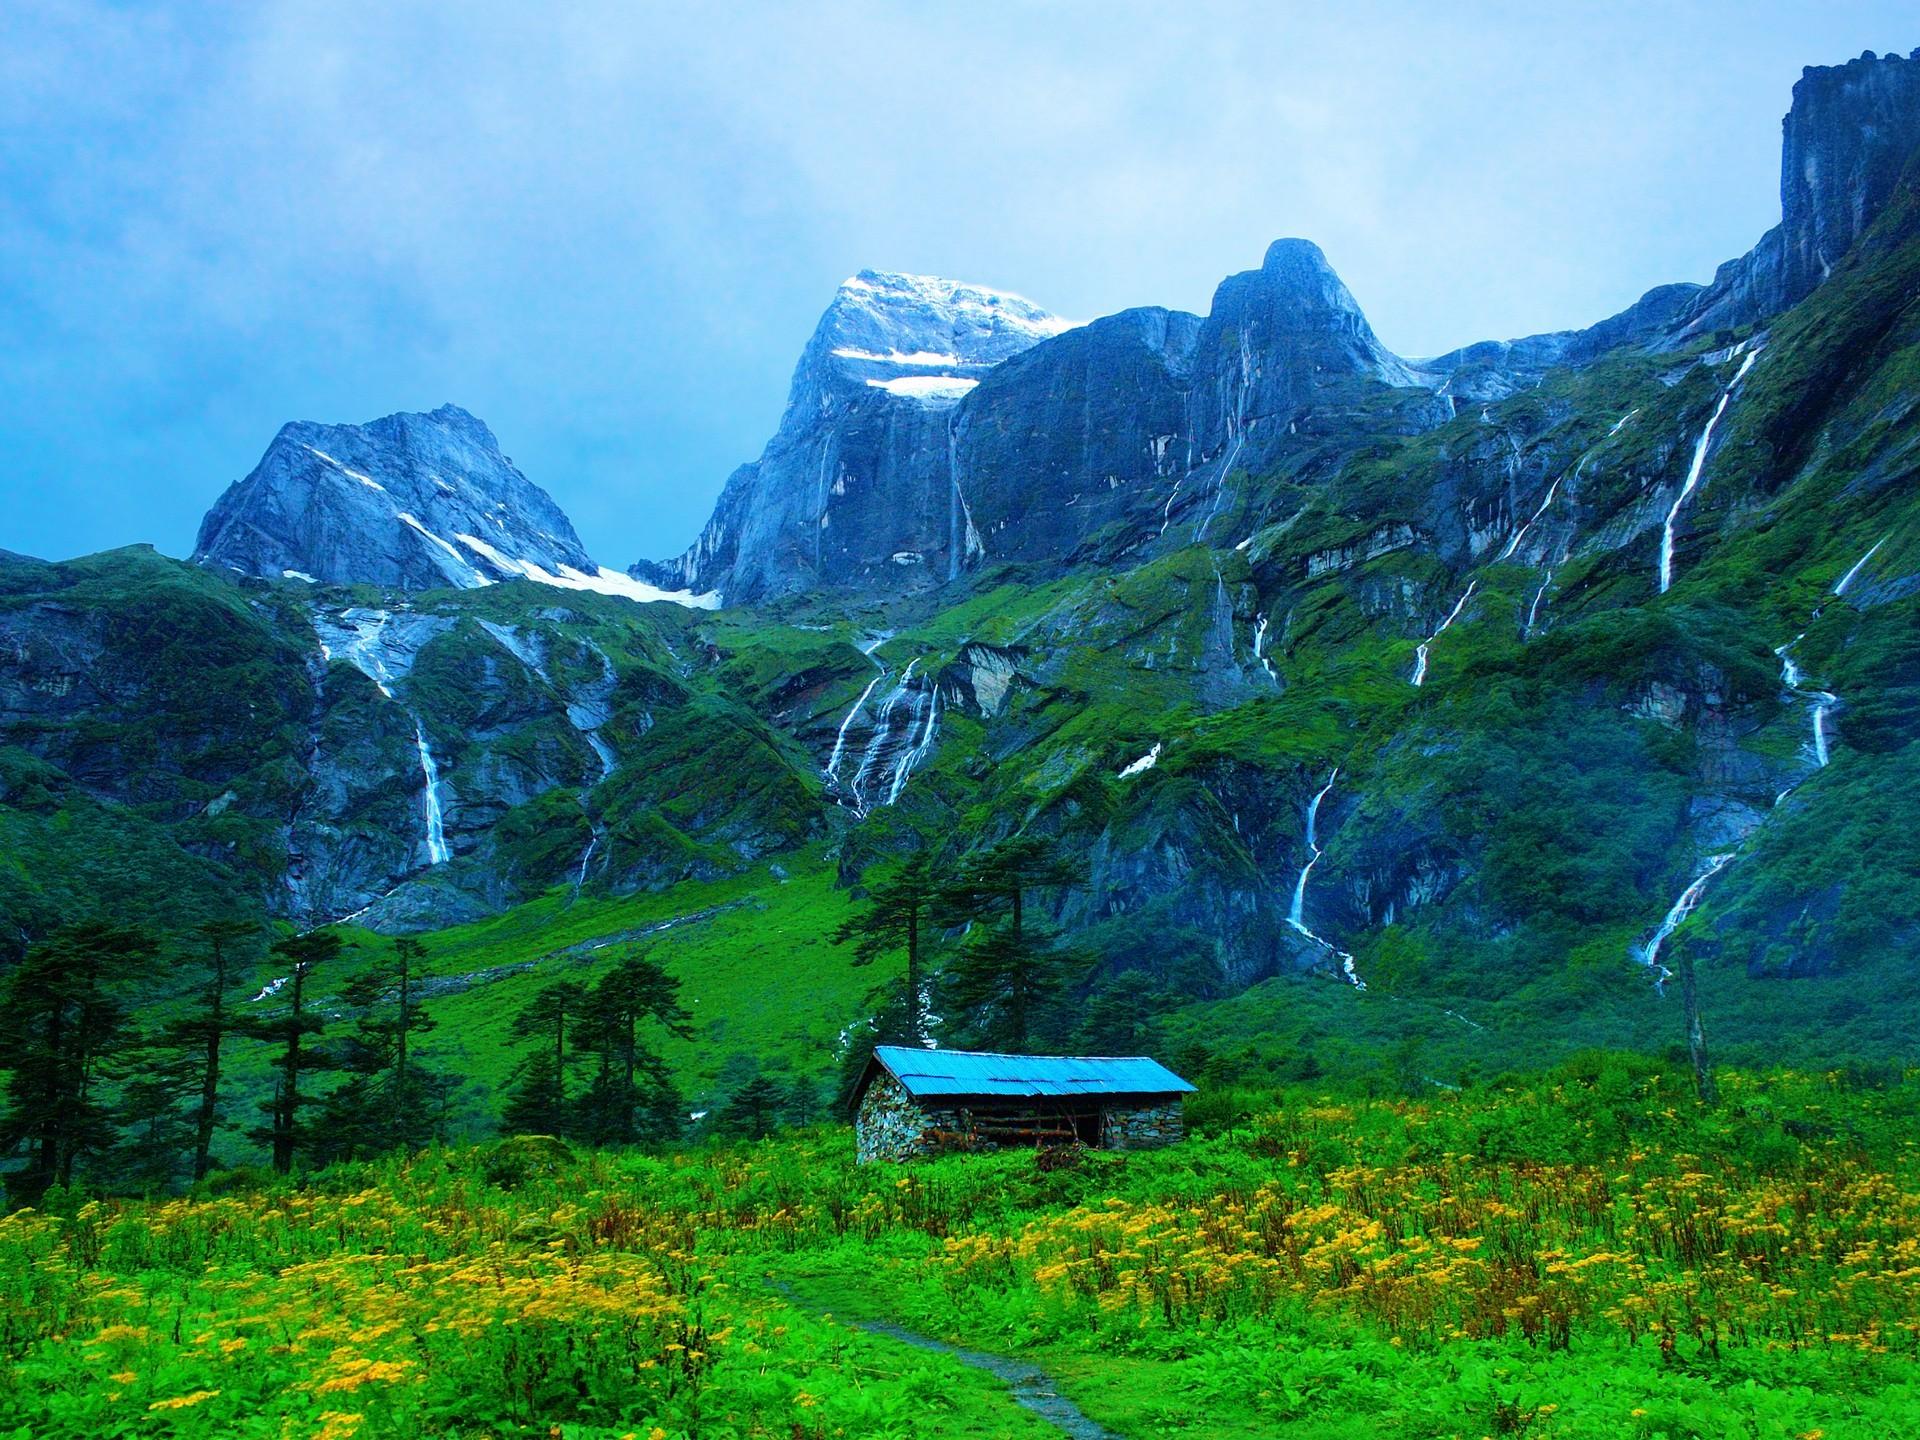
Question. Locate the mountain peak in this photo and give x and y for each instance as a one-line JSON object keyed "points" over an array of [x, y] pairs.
{"points": [[411, 500], [1292, 255]]}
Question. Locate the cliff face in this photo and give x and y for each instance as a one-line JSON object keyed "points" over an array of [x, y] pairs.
{"points": [[929, 429], [1844, 142], [856, 488], [412, 501]]}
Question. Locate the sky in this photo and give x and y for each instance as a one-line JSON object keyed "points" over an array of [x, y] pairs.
{"points": [[608, 228]]}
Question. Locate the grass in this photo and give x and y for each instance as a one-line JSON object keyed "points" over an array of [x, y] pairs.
{"points": [[1580, 1255], [733, 944]]}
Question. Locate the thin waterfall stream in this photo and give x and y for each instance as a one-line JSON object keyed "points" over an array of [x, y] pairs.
{"points": [[1694, 471], [1296, 912], [1420, 654]]}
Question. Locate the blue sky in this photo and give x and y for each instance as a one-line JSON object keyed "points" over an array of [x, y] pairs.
{"points": [[607, 229]]}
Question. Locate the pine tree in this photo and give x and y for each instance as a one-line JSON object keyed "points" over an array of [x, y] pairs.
{"points": [[897, 908], [384, 1102], [538, 1103], [996, 880], [301, 954], [754, 1111], [1003, 977], [191, 1046], [632, 1098], [61, 1023], [1004, 974]]}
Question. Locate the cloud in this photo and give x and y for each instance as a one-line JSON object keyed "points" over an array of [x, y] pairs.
{"points": [[608, 229]]}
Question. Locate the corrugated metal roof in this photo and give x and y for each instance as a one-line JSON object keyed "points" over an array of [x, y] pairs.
{"points": [[977, 1072]]}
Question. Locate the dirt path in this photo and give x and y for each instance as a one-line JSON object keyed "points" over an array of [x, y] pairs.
{"points": [[1031, 1388]]}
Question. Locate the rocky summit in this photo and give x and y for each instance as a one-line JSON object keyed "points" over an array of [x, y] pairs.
{"points": [[414, 502]]}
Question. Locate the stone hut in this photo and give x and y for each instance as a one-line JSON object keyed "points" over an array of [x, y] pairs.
{"points": [[913, 1102]]}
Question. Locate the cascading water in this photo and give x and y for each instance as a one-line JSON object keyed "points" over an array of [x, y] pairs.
{"points": [[586, 856], [437, 851], [1519, 535], [1533, 610], [1682, 908], [1822, 701], [908, 762], [892, 751], [1693, 470], [1260, 647], [1296, 912], [832, 771], [1420, 654], [1236, 428], [363, 653], [963, 541], [1840, 586]]}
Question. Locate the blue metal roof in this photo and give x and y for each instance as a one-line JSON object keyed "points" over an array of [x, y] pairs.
{"points": [[978, 1072]]}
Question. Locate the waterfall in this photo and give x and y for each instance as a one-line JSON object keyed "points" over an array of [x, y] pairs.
{"points": [[363, 653], [1822, 701], [1533, 610], [1237, 428], [1260, 647], [1552, 490], [1693, 471], [1840, 586], [909, 761], [437, 852], [1145, 763], [883, 743], [1622, 421], [1296, 913], [959, 513], [1676, 916], [585, 856], [832, 772], [1420, 654]]}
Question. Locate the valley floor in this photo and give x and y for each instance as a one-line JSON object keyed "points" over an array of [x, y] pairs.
{"points": [[1585, 1255]]}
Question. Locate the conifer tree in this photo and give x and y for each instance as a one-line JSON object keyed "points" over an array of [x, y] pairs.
{"points": [[191, 1046], [897, 909], [62, 1021], [538, 1103], [302, 955], [1004, 974], [631, 1098], [754, 1111], [384, 1103]]}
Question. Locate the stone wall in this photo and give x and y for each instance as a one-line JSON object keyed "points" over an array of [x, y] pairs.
{"points": [[1145, 1129], [891, 1125]]}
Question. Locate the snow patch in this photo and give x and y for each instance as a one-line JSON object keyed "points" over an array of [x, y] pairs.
{"points": [[1145, 763], [602, 582], [926, 387], [926, 358]]}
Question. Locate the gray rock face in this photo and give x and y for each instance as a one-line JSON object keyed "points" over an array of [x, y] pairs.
{"points": [[932, 426], [1495, 369], [1850, 132], [411, 502], [856, 486], [1106, 439]]}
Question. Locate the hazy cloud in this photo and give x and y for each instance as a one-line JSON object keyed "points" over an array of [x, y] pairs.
{"points": [[609, 232]]}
